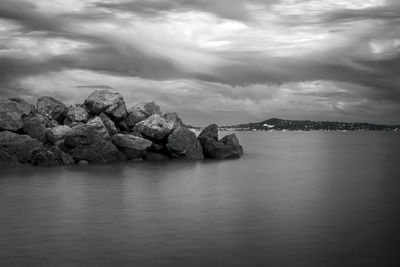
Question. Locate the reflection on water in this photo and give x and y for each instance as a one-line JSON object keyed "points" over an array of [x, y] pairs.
{"points": [[294, 199]]}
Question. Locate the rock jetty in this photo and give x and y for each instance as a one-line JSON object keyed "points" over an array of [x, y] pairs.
{"points": [[101, 130]]}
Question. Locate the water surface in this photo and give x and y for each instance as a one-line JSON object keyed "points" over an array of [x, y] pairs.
{"points": [[294, 199]]}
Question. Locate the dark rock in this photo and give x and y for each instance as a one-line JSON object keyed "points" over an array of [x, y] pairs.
{"points": [[172, 116], [232, 142], [44, 159], [110, 125], [35, 127], [51, 123], [134, 116], [91, 142], [83, 162], [77, 114], [11, 113], [182, 143], [62, 157], [18, 146], [210, 131], [155, 127], [8, 161], [152, 156], [52, 108], [108, 102], [132, 146], [57, 133], [148, 108], [156, 147]]}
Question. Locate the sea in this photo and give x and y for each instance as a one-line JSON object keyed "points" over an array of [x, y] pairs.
{"points": [[293, 199]]}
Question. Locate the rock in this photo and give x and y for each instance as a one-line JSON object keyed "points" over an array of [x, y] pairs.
{"points": [[210, 131], [35, 127], [57, 133], [172, 116], [108, 102], [44, 159], [132, 146], [77, 114], [227, 148], [62, 157], [110, 125], [152, 156], [91, 142], [11, 113], [52, 109], [83, 162], [51, 123], [7, 161], [148, 108], [18, 146], [134, 116], [155, 127], [182, 143]]}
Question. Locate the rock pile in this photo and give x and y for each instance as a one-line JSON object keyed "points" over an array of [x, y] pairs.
{"points": [[101, 130]]}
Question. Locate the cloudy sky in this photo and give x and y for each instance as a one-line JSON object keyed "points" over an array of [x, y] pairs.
{"points": [[224, 61]]}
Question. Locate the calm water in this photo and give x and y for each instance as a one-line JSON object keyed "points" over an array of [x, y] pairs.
{"points": [[294, 199]]}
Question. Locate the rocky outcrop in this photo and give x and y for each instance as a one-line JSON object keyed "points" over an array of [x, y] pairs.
{"points": [[155, 127], [226, 148], [100, 131], [182, 143], [132, 146], [108, 102], [52, 109]]}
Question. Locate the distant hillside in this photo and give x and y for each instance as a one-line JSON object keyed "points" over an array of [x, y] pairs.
{"points": [[296, 125]]}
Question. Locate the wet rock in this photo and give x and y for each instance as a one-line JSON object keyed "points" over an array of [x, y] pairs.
{"points": [[57, 133], [153, 156], [132, 146], [91, 142], [182, 143], [155, 127], [110, 125], [18, 146], [52, 108], [8, 161], [35, 127], [108, 102], [77, 114], [62, 157], [44, 159]]}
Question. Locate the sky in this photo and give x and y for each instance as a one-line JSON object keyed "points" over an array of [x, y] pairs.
{"points": [[222, 61]]}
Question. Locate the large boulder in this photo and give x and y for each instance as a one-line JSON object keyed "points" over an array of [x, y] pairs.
{"points": [[155, 127], [52, 108], [134, 116], [21, 147], [11, 113], [35, 127], [226, 148], [57, 133], [133, 147], [111, 103], [91, 142], [77, 114], [182, 143], [110, 125], [210, 131]]}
